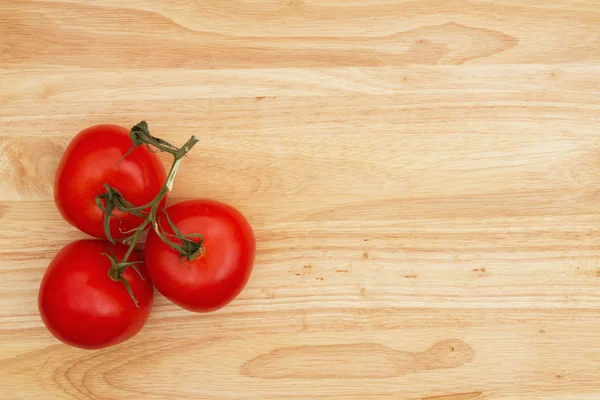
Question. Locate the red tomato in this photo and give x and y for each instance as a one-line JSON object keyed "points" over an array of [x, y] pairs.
{"points": [[219, 274], [82, 306], [95, 157]]}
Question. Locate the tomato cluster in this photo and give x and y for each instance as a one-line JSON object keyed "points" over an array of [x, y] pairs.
{"points": [[111, 185]]}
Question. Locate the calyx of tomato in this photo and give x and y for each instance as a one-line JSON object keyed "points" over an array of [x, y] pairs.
{"points": [[189, 246]]}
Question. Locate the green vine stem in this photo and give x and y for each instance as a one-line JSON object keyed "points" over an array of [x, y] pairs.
{"points": [[188, 246]]}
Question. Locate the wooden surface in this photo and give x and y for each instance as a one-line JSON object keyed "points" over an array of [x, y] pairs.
{"points": [[423, 178]]}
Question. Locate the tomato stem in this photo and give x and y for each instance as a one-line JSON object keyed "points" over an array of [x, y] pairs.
{"points": [[133, 239], [112, 200]]}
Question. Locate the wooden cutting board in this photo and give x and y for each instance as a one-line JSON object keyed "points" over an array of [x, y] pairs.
{"points": [[423, 178]]}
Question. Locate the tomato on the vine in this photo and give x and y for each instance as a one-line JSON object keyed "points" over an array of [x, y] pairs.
{"points": [[82, 306], [219, 273], [99, 155]]}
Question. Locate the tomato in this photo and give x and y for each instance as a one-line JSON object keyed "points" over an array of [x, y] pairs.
{"points": [[82, 306], [218, 275], [95, 157]]}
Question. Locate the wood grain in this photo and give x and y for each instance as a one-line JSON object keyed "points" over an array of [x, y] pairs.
{"points": [[422, 178]]}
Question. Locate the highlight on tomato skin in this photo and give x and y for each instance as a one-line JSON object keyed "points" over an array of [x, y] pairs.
{"points": [[101, 155], [215, 277], [82, 306]]}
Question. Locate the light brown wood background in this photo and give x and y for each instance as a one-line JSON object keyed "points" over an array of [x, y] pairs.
{"points": [[423, 178]]}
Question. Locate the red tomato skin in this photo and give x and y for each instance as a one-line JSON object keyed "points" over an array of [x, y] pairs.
{"points": [[213, 279], [82, 307], [89, 162]]}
